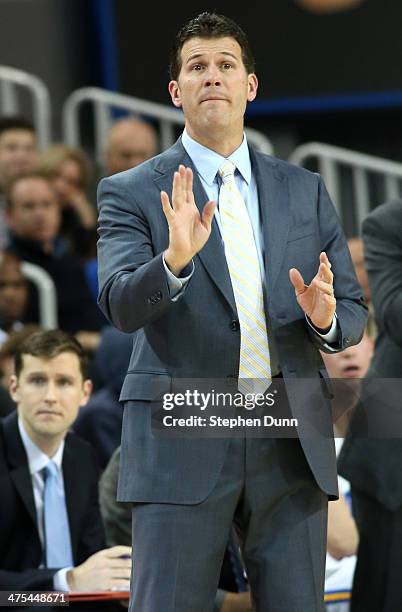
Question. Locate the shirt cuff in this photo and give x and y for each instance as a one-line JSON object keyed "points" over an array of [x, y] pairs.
{"points": [[177, 285], [331, 335], [60, 580]]}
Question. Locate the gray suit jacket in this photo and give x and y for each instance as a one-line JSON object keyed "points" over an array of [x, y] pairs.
{"points": [[197, 336]]}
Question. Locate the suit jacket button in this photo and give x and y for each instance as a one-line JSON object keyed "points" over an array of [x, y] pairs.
{"points": [[234, 325]]}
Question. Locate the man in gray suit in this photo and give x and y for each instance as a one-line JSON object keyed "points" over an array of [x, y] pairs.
{"points": [[166, 269]]}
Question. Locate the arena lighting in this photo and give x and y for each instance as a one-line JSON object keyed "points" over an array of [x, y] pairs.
{"points": [[328, 6]]}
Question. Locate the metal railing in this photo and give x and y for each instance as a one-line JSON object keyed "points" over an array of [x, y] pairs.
{"points": [[46, 292], [330, 161], [12, 82], [106, 102]]}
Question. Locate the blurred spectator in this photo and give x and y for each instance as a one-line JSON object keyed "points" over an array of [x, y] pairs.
{"points": [[13, 295], [346, 369], [117, 521], [99, 422], [129, 143], [33, 215], [17, 156], [356, 248], [69, 172], [52, 535]]}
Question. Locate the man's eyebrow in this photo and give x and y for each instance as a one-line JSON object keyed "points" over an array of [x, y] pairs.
{"points": [[197, 55], [37, 373], [64, 375]]}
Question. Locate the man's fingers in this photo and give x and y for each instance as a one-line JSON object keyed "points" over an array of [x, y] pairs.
{"points": [[167, 209], [325, 273], [324, 286], [189, 183], [297, 280], [324, 259], [118, 551], [178, 188]]}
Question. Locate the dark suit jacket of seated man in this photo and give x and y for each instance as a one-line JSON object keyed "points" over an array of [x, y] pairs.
{"points": [[192, 326]]}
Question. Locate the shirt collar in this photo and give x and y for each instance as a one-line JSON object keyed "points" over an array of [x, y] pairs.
{"points": [[208, 162], [37, 459]]}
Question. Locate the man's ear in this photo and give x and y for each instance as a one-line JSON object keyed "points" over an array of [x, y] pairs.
{"points": [[86, 392], [174, 91], [13, 388], [252, 87]]}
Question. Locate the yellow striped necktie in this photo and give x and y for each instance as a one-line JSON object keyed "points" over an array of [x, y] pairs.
{"points": [[242, 259]]}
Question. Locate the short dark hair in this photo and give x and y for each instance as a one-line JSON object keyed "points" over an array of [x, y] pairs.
{"points": [[48, 344], [210, 25], [16, 123]]}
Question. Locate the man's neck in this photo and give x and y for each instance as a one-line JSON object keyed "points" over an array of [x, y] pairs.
{"points": [[220, 143], [46, 443]]}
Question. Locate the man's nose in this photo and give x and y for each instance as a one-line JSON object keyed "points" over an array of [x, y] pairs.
{"points": [[50, 392], [212, 76]]}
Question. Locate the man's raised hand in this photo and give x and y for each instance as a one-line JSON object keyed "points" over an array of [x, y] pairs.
{"points": [[317, 299], [188, 229]]}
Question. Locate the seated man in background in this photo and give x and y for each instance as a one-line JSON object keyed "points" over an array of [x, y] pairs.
{"points": [[51, 533], [18, 151], [13, 295], [33, 215], [130, 142]]}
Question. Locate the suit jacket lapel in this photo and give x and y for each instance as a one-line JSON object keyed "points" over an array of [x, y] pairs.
{"points": [[212, 255], [273, 198], [19, 470]]}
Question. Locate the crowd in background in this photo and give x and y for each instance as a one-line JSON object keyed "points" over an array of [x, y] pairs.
{"points": [[48, 219]]}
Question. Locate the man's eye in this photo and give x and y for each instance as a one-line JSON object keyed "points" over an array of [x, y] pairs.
{"points": [[64, 382], [226, 66], [197, 67], [38, 380]]}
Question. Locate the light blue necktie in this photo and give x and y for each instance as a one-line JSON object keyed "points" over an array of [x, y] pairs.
{"points": [[56, 528]]}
